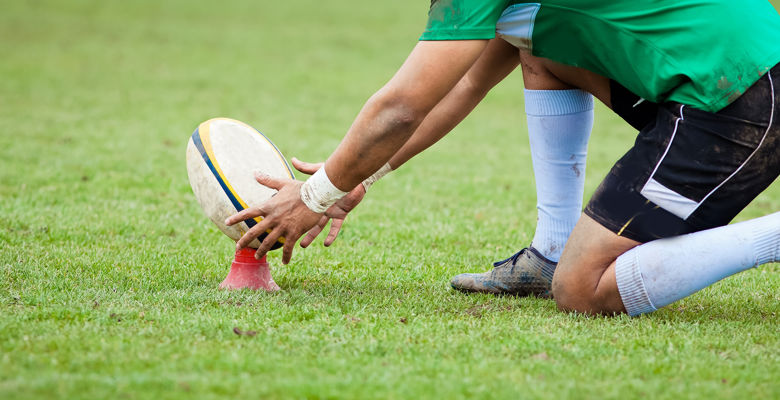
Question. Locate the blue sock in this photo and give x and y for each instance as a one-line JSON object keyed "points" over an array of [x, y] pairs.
{"points": [[559, 125], [663, 271]]}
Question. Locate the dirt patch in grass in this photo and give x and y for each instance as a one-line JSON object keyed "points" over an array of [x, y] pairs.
{"points": [[240, 332]]}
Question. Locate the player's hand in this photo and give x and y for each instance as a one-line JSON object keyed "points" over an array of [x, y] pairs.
{"points": [[336, 213], [284, 214]]}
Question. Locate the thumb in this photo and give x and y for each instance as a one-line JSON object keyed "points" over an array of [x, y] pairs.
{"points": [[306, 167]]}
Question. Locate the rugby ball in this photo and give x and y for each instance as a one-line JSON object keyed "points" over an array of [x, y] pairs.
{"points": [[222, 157]]}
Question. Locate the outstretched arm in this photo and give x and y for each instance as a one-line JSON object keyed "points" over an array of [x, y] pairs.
{"points": [[496, 62], [384, 124], [392, 115]]}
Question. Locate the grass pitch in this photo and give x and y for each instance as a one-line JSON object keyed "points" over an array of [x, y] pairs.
{"points": [[109, 269]]}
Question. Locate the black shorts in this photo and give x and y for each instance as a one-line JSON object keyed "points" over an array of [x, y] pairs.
{"points": [[635, 110], [689, 169]]}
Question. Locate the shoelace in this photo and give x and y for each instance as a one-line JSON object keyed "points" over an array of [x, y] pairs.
{"points": [[513, 258]]}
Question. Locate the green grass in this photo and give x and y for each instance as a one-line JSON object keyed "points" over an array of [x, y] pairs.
{"points": [[109, 269]]}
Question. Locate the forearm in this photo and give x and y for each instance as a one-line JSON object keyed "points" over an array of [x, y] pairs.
{"points": [[437, 124], [379, 132]]}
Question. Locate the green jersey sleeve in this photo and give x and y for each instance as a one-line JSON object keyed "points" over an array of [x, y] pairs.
{"points": [[463, 19]]}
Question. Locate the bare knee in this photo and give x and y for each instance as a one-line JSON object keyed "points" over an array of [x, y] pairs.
{"points": [[580, 294], [569, 298], [584, 280]]}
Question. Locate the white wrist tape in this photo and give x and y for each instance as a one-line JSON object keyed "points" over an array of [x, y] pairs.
{"points": [[319, 193], [377, 175]]}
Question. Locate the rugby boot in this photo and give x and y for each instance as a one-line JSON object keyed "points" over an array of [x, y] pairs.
{"points": [[525, 273]]}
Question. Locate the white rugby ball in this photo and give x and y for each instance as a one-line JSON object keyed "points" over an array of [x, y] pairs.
{"points": [[222, 157]]}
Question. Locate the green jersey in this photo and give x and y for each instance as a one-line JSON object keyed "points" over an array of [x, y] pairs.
{"points": [[702, 53]]}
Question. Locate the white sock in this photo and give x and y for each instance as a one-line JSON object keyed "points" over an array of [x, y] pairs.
{"points": [[663, 271], [559, 125]]}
